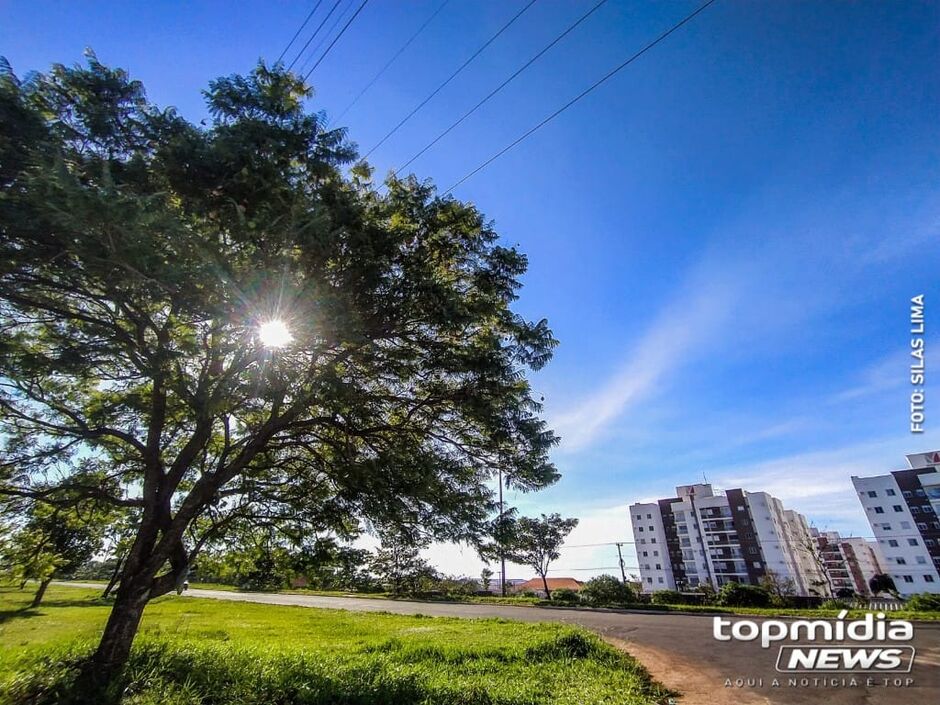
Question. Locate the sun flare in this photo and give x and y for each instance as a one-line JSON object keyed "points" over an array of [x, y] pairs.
{"points": [[274, 334]]}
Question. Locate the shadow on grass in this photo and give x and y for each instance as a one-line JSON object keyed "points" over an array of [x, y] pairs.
{"points": [[26, 611]]}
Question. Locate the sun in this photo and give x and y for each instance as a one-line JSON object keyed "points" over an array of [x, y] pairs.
{"points": [[274, 334]]}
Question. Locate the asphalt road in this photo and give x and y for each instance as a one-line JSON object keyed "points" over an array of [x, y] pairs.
{"points": [[679, 650]]}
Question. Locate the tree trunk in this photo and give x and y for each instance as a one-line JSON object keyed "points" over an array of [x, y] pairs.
{"points": [[548, 594], [114, 649], [37, 599]]}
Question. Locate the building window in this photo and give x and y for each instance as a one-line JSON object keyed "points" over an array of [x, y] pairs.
{"points": [[872, 493], [928, 578], [901, 561], [921, 560], [655, 553], [649, 516], [920, 493], [879, 510], [930, 542], [659, 566], [907, 578], [646, 554], [890, 493], [912, 542], [652, 540], [651, 528], [915, 510], [660, 580], [898, 508], [886, 527], [905, 525], [649, 580], [891, 542], [640, 529], [907, 494], [922, 525]]}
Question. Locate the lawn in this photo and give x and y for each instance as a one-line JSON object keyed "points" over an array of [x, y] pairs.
{"points": [[197, 651]]}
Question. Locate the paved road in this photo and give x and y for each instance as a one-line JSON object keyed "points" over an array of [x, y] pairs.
{"points": [[679, 650]]}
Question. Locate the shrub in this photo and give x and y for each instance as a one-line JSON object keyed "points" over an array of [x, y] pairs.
{"points": [[666, 597], [835, 604], [738, 595], [925, 602], [565, 595], [607, 590]]}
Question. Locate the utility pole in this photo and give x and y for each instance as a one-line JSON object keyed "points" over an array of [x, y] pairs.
{"points": [[623, 572], [502, 537]]}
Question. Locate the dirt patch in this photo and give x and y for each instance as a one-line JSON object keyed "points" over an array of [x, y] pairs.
{"points": [[695, 683]]}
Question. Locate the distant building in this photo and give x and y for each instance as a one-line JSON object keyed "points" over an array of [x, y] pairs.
{"points": [[850, 562], [702, 537], [535, 585], [902, 508]]}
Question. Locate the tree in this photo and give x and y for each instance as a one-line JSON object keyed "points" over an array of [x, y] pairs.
{"points": [[607, 590], [486, 578], [399, 566], [882, 582], [142, 257], [777, 586], [537, 542], [53, 542]]}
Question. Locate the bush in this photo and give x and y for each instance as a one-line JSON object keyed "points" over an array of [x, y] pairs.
{"points": [[607, 590], [925, 602], [565, 595], [738, 595], [666, 597], [836, 604]]}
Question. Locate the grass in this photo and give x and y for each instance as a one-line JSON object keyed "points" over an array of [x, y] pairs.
{"points": [[197, 651]]}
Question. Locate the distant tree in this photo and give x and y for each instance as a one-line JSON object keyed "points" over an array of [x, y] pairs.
{"points": [[740, 595], [845, 593], [52, 542], [143, 257], [607, 590], [537, 542], [777, 586], [882, 582], [398, 563], [486, 578], [823, 582]]}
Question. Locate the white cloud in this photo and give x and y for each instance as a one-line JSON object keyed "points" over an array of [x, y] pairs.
{"points": [[675, 339]]}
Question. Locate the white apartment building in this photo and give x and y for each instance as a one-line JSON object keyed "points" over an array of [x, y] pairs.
{"points": [[850, 562], [705, 537], [902, 508]]}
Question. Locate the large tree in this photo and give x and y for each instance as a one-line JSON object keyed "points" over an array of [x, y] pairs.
{"points": [[142, 255]]}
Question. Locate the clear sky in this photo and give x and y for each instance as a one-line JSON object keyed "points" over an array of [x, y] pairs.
{"points": [[725, 237]]}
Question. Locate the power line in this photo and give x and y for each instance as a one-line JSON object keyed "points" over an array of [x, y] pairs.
{"points": [[452, 77], [584, 93], [340, 16], [336, 39], [315, 33], [299, 30], [503, 84], [390, 62]]}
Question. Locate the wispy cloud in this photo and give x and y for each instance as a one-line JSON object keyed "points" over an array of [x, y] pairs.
{"points": [[675, 339], [888, 373], [819, 483]]}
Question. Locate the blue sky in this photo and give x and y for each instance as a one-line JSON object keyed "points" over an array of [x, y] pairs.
{"points": [[724, 237]]}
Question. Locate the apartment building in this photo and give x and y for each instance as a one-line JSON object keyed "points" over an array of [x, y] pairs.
{"points": [[704, 537], [850, 562], [902, 508]]}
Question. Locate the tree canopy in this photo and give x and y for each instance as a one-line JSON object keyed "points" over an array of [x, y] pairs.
{"points": [[139, 256], [536, 542]]}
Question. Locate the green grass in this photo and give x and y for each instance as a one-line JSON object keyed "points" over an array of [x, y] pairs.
{"points": [[194, 650]]}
